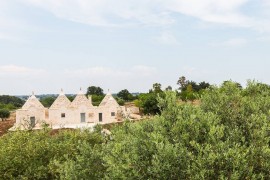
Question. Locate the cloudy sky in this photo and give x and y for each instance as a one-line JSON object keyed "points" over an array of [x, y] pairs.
{"points": [[46, 45]]}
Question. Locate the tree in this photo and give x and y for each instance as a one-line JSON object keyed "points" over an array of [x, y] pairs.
{"points": [[4, 114], [157, 88], [182, 82], [148, 103], [94, 90], [169, 88], [96, 93], [125, 95], [71, 98], [236, 83], [227, 137], [47, 101], [204, 85], [16, 102]]}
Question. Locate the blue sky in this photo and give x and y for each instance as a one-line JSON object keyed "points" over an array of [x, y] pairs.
{"points": [[46, 45]]}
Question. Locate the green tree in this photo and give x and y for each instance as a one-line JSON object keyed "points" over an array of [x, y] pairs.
{"points": [[125, 95], [203, 85], [148, 103], [96, 94], [69, 154], [12, 100], [71, 98], [94, 90], [157, 88], [169, 88], [182, 83], [47, 101], [4, 114]]}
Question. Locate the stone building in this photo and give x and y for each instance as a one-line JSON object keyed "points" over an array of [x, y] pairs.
{"points": [[66, 114]]}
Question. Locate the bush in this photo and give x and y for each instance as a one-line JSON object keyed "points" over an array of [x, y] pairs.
{"points": [[4, 114], [12, 100], [226, 137], [39, 155]]}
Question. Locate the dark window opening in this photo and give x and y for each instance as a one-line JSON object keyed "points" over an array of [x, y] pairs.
{"points": [[100, 117], [83, 118], [32, 121], [63, 115], [112, 113]]}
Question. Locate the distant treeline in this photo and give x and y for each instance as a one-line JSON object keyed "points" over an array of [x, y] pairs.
{"points": [[10, 102]]}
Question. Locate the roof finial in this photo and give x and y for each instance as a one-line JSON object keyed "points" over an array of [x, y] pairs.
{"points": [[62, 91], [80, 92]]}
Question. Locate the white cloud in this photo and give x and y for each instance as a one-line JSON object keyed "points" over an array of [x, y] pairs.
{"points": [[13, 70], [234, 42], [167, 38], [263, 39], [125, 13], [150, 12]]}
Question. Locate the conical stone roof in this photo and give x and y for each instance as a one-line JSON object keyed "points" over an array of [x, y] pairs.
{"points": [[81, 100], [61, 101], [108, 101], [32, 101]]}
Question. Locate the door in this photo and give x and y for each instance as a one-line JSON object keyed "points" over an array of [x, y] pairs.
{"points": [[82, 117], [100, 117], [32, 121]]}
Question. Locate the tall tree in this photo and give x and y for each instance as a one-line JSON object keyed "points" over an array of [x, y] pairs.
{"points": [[204, 85], [157, 88], [125, 95], [94, 90], [182, 83], [169, 88]]}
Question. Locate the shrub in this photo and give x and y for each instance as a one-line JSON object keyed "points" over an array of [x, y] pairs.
{"points": [[4, 114]]}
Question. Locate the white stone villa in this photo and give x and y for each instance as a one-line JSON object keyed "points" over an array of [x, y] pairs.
{"points": [[66, 114]]}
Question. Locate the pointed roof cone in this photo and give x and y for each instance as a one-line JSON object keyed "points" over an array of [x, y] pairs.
{"points": [[80, 92], [62, 92], [61, 101], [32, 101], [109, 100], [81, 100]]}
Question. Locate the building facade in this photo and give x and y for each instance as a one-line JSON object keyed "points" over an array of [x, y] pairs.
{"points": [[66, 114]]}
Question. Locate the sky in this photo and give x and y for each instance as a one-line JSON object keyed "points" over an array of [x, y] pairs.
{"points": [[46, 45]]}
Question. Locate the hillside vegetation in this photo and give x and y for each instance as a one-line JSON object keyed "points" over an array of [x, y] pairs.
{"points": [[226, 137], [10, 102]]}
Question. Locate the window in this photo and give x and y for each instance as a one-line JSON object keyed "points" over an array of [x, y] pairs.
{"points": [[112, 113], [82, 117], [63, 115], [100, 117], [33, 121]]}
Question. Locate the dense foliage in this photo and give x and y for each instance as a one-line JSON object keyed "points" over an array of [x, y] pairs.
{"points": [[148, 102], [10, 102], [95, 90], [4, 114], [39, 155], [190, 90], [226, 137], [47, 101], [125, 95]]}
